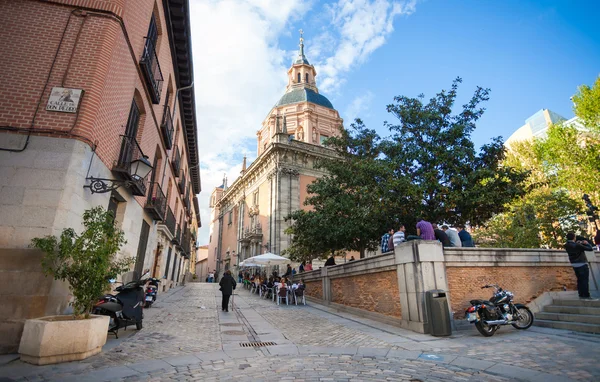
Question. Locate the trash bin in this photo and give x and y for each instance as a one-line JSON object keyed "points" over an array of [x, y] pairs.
{"points": [[438, 314]]}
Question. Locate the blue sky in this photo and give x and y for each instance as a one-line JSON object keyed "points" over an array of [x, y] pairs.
{"points": [[531, 54]]}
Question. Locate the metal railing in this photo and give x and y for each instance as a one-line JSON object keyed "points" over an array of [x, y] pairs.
{"points": [[130, 151], [170, 222], [177, 238], [166, 127], [151, 69], [181, 184], [186, 243], [176, 162], [156, 204]]}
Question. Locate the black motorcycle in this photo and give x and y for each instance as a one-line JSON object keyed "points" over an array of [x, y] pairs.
{"points": [[500, 310], [125, 308], [151, 292]]}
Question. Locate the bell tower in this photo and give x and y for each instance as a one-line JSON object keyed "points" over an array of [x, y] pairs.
{"points": [[302, 74]]}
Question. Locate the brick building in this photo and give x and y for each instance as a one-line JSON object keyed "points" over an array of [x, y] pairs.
{"points": [[248, 217], [92, 87]]}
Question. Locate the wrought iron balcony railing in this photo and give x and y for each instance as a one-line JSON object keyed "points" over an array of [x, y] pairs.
{"points": [[181, 184], [186, 243], [176, 162], [166, 128], [130, 151], [170, 222], [151, 69], [156, 205], [177, 238]]}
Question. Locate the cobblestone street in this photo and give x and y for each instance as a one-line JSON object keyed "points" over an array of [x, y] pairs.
{"points": [[186, 338]]}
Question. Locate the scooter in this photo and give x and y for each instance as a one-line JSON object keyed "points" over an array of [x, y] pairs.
{"points": [[125, 308], [151, 292]]}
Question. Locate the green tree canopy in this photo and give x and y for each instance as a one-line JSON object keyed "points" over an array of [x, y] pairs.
{"points": [[587, 105], [428, 167]]}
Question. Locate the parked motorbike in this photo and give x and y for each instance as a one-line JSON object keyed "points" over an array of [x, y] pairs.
{"points": [[125, 308], [500, 310], [151, 291]]}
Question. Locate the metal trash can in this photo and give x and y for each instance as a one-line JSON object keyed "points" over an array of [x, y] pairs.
{"points": [[438, 314]]}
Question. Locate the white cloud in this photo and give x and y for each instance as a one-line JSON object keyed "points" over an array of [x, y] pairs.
{"points": [[359, 107], [362, 26], [239, 73]]}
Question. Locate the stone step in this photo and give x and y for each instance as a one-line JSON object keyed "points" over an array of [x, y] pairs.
{"points": [[565, 317], [578, 302], [574, 326], [572, 309]]}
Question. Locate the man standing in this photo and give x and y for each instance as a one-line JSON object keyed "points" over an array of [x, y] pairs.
{"points": [[452, 236], [441, 235], [465, 238], [399, 236], [387, 241], [576, 251], [425, 230]]}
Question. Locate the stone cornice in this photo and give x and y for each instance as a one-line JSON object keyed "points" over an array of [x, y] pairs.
{"points": [[290, 158]]}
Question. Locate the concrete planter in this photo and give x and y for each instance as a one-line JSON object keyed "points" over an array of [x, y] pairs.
{"points": [[55, 339]]}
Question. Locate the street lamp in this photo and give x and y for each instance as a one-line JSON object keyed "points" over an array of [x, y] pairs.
{"points": [[138, 170]]}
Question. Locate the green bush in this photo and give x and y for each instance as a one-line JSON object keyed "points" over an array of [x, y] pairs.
{"points": [[85, 261]]}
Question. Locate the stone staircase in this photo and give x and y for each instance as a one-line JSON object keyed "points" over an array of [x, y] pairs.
{"points": [[570, 314]]}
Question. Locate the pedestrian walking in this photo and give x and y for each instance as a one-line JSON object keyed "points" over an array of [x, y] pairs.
{"points": [[576, 251], [228, 285], [211, 277]]}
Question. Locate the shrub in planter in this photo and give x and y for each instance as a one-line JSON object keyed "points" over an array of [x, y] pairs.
{"points": [[87, 262]]}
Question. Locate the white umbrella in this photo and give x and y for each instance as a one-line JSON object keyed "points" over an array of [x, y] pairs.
{"points": [[267, 259], [246, 263]]}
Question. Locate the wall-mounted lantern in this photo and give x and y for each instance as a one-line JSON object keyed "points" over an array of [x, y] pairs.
{"points": [[138, 170]]}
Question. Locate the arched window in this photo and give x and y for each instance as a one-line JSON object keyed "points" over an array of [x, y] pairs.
{"points": [[306, 77], [299, 77]]}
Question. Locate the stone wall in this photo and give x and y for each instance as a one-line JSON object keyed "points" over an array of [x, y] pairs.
{"points": [[373, 292], [314, 289]]}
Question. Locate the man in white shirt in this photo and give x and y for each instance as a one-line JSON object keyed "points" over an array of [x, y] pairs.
{"points": [[399, 235], [453, 236]]}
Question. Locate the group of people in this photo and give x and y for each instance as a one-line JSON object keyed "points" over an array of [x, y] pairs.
{"points": [[427, 231]]}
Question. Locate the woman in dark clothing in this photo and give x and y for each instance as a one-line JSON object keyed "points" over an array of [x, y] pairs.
{"points": [[227, 284]]}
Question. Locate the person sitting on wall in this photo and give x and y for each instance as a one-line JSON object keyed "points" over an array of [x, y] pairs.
{"points": [[330, 261], [308, 267], [465, 238]]}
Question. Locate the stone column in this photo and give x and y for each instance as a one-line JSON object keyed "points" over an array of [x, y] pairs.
{"points": [[420, 267], [326, 286]]}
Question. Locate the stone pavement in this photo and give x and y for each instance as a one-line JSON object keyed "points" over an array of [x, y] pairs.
{"points": [[186, 338]]}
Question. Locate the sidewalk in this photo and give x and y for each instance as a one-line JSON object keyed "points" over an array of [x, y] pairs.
{"points": [[185, 337]]}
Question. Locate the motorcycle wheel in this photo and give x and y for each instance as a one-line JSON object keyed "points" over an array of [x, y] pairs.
{"points": [[526, 318], [147, 305], [486, 330], [138, 325]]}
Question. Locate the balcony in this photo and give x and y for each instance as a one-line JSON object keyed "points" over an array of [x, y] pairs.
{"points": [[186, 202], [170, 222], [156, 205], [186, 243], [252, 234], [176, 162], [130, 151], [151, 71], [166, 128], [181, 185], [177, 237]]}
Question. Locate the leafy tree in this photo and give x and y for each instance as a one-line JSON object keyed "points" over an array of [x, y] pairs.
{"points": [[435, 171], [428, 167], [587, 105], [86, 261]]}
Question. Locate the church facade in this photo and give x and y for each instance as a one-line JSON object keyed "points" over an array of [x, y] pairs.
{"points": [[248, 217]]}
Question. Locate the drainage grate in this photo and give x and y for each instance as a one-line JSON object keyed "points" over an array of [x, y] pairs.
{"points": [[256, 344]]}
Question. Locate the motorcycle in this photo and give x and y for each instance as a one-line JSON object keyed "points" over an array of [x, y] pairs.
{"points": [[125, 308], [151, 292], [500, 310]]}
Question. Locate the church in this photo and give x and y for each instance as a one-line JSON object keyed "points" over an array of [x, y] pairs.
{"points": [[248, 217]]}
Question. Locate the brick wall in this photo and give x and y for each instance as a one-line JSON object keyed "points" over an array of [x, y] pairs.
{"points": [[373, 292], [314, 289], [526, 282]]}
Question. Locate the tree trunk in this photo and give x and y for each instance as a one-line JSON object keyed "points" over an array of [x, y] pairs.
{"points": [[362, 253]]}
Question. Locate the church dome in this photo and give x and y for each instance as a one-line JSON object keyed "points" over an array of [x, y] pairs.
{"points": [[304, 95]]}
